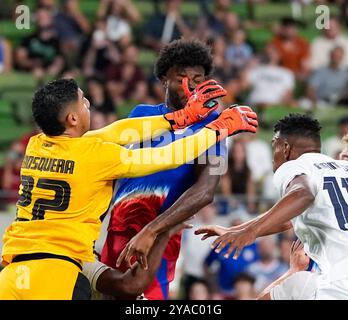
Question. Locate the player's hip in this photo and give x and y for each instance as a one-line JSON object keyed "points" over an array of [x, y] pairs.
{"points": [[40, 277]]}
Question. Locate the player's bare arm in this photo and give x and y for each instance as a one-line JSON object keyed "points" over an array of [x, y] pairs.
{"points": [[190, 202], [298, 198], [215, 230], [299, 261], [133, 283]]}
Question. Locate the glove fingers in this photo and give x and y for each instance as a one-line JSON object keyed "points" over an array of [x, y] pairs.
{"points": [[185, 87], [251, 115], [213, 93], [205, 83], [209, 88], [253, 122], [245, 108], [251, 129]]}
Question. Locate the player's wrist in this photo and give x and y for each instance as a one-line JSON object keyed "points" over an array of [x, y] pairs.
{"points": [[151, 230]]}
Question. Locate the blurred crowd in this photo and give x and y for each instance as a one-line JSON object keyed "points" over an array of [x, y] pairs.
{"points": [[103, 55]]}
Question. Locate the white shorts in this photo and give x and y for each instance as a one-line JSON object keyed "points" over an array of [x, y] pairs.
{"points": [[305, 285]]}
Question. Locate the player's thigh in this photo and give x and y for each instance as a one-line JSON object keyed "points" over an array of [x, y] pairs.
{"points": [[8, 290], [301, 285], [47, 279], [337, 290]]}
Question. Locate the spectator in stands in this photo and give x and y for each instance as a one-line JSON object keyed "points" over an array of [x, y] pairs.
{"points": [[11, 176], [332, 146], [214, 22], [164, 27], [126, 79], [344, 11], [323, 45], [98, 120], [119, 15], [12, 166], [5, 55], [72, 26], [244, 287], [238, 51], [292, 49], [269, 83], [237, 183], [224, 71], [231, 23], [100, 100], [328, 85], [344, 153], [199, 290], [40, 52], [229, 269], [285, 239], [269, 267], [194, 251], [259, 161], [100, 52], [48, 4]]}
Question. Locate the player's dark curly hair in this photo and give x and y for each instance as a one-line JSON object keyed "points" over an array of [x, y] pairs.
{"points": [[296, 124], [184, 53], [49, 102]]}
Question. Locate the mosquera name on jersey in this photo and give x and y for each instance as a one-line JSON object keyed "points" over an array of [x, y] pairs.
{"points": [[67, 184]]}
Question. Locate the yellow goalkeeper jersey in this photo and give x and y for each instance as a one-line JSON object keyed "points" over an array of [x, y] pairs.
{"points": [[67, 185]]}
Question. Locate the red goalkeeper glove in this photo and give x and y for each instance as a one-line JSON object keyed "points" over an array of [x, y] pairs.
{"points": [[200, 104], [233, 120]]}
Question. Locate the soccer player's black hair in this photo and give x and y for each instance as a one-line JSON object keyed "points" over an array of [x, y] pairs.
{"points": [[49, 102], [299, 125], [342, 121], [184, 53]]}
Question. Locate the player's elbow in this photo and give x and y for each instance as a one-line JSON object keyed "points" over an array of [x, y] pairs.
{"points": [[208, 197], [304, 195], [133, 289]]}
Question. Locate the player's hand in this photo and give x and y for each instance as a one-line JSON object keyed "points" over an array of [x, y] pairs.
{"points": [[211, 231], [200, 104], [139, 246], [236, 240], [233, 120], [299, 261]]}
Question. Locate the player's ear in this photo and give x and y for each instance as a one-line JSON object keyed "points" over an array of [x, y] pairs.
{"points": [[164, 81], [287, 150], [71, 119]]}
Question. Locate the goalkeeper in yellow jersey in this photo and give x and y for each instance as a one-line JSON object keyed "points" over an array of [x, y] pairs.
{"points": [[67, 182]]}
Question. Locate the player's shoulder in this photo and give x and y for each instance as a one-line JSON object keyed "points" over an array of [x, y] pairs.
{"points": [[145, 110], [306, 160]]}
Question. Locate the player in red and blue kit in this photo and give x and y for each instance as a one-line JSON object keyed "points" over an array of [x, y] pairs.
{"points": [[144, 207]]}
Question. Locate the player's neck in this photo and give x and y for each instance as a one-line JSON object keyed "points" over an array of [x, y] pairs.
{"points": [[71, 133]]}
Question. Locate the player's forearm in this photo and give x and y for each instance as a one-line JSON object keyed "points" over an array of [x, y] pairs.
{"points": [[135, 281], [151, 160], [279, 216], [132, 130], [190, 202]]}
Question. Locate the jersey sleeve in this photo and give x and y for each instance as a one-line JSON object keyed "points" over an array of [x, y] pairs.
{"points": [[120, 162], [131, 130], [289, 171], [92, 271]]}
